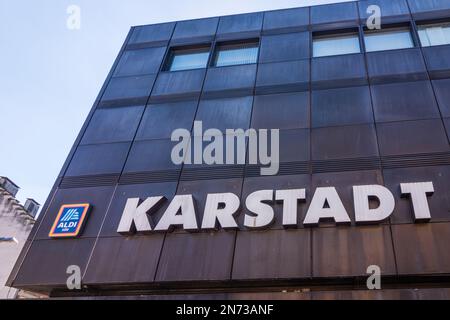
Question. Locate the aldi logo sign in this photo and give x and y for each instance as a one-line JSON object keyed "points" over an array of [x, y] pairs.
{"points": [[69, 221]]}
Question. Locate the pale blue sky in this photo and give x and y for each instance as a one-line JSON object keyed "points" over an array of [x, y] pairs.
{"points": [[50, 75]]}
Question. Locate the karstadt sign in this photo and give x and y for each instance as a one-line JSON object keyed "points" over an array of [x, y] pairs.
{"points": [[221, 208]]}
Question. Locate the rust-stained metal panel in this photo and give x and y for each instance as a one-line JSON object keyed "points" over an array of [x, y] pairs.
{"points": [[344, 251], [288, 251]]}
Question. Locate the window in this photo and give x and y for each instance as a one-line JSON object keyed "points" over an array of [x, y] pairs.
{"points": [[186, 59], [389, 39], [236, 53], [434, 34], [331, 45]]}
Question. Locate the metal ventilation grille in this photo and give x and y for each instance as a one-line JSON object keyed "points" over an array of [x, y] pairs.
{"points": [[286, 168], [239, 171], [416, 160], [214, 172], [355, 164], [150, 177], [123, 102], [89, 181]]}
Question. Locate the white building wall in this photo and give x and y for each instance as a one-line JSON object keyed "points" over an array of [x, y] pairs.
{"points": [[13, 223]]}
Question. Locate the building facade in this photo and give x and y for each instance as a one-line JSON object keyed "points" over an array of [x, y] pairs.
{"points": [[16, 222], [355, 105]]}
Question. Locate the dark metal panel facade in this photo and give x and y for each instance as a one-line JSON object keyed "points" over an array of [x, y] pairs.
{"points": [[288, 250], [197, 29], [241, 25], [283, 77], [198, 256], [338, 12], [439, 202], [142, 61], [54, 257], [99, 197], [152, 33], [429, 9], [113, 125], [396, 65], [404, 101], [285, 47], [343, 182], [442, 90], [281, 182], [330, 142], [391, 8], [224, 114], [286, 20], [438, 65], [340, 107], [347, 120], [98, 159], [180, 84], [142, 252], [239, 80], [354, 249], [408, 137], [292, 111], [131, 87], [338, 71], [160, 120], [418, 250], [135, 190], [150, 155]]}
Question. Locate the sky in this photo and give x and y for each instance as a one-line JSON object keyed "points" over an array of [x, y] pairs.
{"points": [[50, 75]]}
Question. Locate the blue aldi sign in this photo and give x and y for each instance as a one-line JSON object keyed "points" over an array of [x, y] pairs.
{"points": [[69, 221]]}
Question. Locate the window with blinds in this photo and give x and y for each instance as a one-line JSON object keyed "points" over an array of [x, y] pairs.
{"points": [[434, 34], [236, 53], [388, 39], [335, 44], [187, 59]]}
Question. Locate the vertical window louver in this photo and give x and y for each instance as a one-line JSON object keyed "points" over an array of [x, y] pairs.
{"points": [[187, 59], [335, 44], [434, 34], [388, 39], [236, 53]]}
